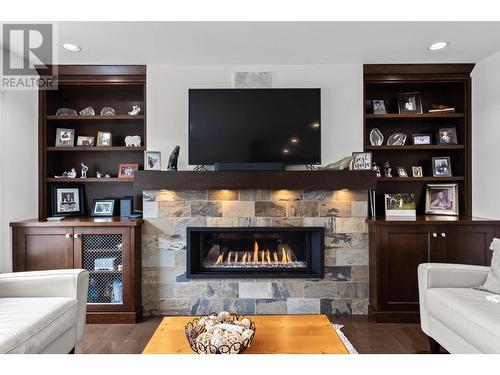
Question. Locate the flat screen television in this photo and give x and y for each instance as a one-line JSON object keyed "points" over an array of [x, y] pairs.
{"points": [[254, 126]]}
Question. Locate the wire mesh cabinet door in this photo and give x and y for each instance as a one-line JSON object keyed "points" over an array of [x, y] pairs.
{"points": [[105, 253]]}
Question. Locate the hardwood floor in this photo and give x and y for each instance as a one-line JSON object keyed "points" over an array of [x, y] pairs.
{"points": [[366, 336]]}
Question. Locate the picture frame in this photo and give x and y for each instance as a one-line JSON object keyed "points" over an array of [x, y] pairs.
{"points": [[103, 207], [361, 161], [447, 136], [378, 107], [126, 170], [67, 200], [152, 160], [400, 204], [441, 166], [402, 172], [441, 199], [65, 137], [85, 141], [410, 102], [417, 171], [421, 139], [104, 139]]}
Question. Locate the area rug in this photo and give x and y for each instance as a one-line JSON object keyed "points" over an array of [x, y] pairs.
{"points": [[345, 341]]}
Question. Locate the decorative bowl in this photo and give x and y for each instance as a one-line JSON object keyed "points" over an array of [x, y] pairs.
{"points": [[222, 333]]}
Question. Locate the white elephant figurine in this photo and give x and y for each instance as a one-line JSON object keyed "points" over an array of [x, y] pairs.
{"points": [[133, 141]]}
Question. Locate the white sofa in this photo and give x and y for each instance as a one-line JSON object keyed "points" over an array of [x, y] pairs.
{"points": [[42, 311], [455, 316]]}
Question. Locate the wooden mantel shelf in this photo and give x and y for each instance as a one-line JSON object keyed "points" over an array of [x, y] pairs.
{"points": [[248, 180]]}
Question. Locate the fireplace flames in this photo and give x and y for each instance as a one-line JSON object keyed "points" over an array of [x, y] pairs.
{"points": [[258, 258]]}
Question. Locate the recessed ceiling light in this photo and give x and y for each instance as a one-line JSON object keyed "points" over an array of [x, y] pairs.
{"points": [[71, 47], [315, 125], [285, 151], [294, 140], [438, 45]]}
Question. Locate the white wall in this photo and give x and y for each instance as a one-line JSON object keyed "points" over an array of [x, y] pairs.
{"points": [[18, 164], [342, 103], [486, 137]]}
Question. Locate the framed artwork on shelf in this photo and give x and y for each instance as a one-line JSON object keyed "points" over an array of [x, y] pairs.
{"points": [[447, 136], [410, 102], [417, 171], [65, 137], [400, 204], [441, 199], [103, 207], [104, 139], [422, 139], [441, 166], [85, 141], [127, 170], [67, 201], [402, 172], [378, 107], [361, 161], [152, 160]]}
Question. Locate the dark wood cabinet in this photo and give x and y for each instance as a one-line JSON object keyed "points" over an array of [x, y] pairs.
{"points": [[398, 247], [108, 248]]}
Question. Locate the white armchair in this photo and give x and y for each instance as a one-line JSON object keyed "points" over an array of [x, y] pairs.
{"points": [[42, 311], [452, 314]]}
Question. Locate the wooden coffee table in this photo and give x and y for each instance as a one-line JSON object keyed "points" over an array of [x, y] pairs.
{"points": [[275, 334]]}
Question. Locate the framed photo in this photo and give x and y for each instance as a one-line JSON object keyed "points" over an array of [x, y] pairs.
{"points": [[84, 141], [378, 106], [104, 139], [402, 172], [65, 137], [422, 139], [417, 171], [67, 201], [410, 102], [441, 199], [152, 160], [441, 166], [401, 204], [361, 161], [447, 136], [103, 207], [127, 170]]}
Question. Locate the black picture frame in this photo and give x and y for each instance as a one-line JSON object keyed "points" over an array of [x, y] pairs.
{"points": [[441, 170], [413, 99], [74, 207], [98, 204], [451, 135], [416, 136], [362, 161]]}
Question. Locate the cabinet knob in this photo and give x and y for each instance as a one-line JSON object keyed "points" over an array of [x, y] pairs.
{"points": [[67, 235], [443, 234], [76, 235], [434, 235]]}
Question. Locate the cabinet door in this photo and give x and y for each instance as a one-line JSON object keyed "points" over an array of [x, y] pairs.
{"points": [[465, 244], [402, 249], [105, 253], [42, 248]]}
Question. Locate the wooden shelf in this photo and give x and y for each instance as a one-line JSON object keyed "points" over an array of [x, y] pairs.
{"points": [[414, 115], [420, 179], [414, 147], [94, 118], [78, 180], [95, 149]]}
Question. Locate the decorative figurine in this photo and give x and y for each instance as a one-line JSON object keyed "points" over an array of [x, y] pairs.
{"points": [[89, 111], [99, 174], [133, 141], [66, 112], [72, 173], [376, 168], [376, 137], [107, 175], [387, 169], [107, 111], [84, 170], [172, 160], [396, 139], [135, 110]]}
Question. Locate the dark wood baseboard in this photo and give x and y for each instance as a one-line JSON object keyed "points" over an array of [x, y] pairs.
{"points": [[393, 316], [112, 318]]}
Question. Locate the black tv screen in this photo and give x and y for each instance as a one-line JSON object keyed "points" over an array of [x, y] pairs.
{"points": [[254, 126]]}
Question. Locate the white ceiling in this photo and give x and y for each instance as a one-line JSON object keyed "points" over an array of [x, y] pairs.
{"points": [[276, 42]]}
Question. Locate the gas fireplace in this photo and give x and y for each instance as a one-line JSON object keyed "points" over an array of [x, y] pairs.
{"points": [[265, 252]]}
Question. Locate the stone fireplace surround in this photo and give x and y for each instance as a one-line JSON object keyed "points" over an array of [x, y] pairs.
{"points": [[166, 289]]}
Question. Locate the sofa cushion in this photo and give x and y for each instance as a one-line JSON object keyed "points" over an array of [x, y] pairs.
{"points": [[28, 325], [469, 314], [492, 283]]}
